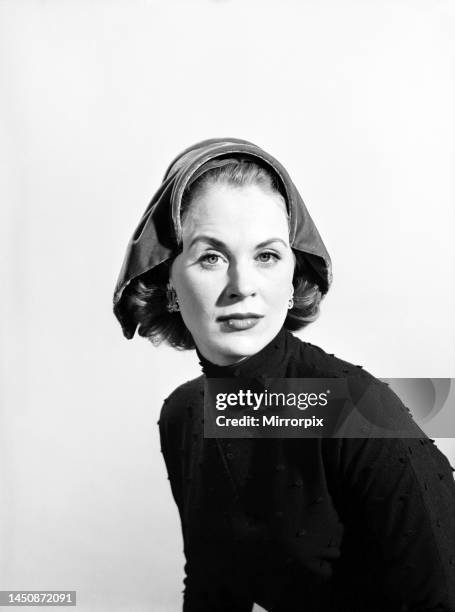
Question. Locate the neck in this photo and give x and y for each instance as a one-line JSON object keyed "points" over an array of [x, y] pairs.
{"points": [[219, 361], [265, 361]]}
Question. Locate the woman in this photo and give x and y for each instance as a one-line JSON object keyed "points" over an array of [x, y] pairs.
{"points": [[227, 260]]}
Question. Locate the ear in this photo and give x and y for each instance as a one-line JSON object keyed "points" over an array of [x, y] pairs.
{"points": [[169, 270], [171, 276]]}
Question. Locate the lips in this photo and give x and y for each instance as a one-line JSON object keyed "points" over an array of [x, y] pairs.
{"points": [[240, 321], [240, 315]]}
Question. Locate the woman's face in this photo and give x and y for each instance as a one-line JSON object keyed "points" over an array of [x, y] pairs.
{"points": [[236, 261]]}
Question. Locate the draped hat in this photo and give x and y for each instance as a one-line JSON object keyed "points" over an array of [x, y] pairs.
{"points": [[159, 232]]}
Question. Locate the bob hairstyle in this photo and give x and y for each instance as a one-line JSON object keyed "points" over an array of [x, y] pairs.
{"points": [[146, 296]]}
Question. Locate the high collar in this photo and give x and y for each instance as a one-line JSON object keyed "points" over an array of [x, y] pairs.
{"points": [[269, 361]]}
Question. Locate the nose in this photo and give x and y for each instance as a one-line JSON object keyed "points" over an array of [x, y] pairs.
{"points": [[241, 280]]}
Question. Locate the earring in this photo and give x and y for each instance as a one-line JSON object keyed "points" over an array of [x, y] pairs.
{"points": [[291, 301], [172, 302]]}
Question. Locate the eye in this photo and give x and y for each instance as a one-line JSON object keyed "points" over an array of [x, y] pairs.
{"points": [[210, 259], [268, 257]]}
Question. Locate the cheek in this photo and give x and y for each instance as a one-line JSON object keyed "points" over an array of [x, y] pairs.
{"points": [[280, 292], [280, 285], [197, 295]]}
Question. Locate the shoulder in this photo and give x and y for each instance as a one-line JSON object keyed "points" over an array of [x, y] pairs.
{"points": [[370, 394], [176, 404], [318, 362]]}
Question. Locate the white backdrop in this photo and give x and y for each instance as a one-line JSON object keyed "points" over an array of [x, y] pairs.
{"points": [[355, 98]]}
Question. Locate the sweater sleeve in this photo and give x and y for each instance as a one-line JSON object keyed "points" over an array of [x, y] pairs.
{"points": [[199, 594], [399, 494]]}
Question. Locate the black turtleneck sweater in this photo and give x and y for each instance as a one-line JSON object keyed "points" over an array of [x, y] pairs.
{"points": [[311, 524]]}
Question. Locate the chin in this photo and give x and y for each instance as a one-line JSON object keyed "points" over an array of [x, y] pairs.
{"points": [[239, 345]]}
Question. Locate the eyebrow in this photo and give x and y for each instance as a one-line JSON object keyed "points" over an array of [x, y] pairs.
{"points": [[220, 244]]}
